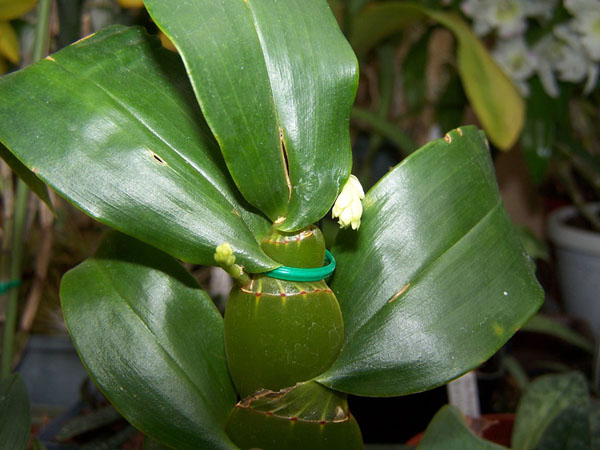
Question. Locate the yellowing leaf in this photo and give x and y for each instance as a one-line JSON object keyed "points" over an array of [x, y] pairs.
{"points": [[11, 9], [166, 42], [495, 99], [131, 3], [9, 43]]}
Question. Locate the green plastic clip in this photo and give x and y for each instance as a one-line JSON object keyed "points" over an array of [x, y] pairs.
{"points": [[5, 286], [301, 274]]}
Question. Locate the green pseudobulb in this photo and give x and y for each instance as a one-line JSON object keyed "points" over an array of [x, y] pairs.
{"points": [[305, 248], [278, 333], [306, 416]]}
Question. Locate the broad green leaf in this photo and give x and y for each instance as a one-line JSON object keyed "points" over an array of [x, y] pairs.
{"points": [[11, 9], [276, 81], [449, 430], [111, 124], [570, 430], [493, 96], [9, 43], [15, 419], [34, 183], [543, 402], [152, 341], [435, 281]]}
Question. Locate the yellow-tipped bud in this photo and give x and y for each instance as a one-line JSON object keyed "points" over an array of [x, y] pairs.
{"points": [[348, 206], [224, 255]]}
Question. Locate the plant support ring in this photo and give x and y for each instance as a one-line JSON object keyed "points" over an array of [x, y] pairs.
{"points": [[301, 274]]}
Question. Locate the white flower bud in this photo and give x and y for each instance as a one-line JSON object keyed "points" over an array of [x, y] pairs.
{"points": [[348, 207]]}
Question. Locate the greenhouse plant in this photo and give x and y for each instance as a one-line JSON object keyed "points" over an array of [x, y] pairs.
{"points": [[229, 153]]}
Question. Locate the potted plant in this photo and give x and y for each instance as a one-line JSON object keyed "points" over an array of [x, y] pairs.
{"points": [[228, 153], [556, 410]]}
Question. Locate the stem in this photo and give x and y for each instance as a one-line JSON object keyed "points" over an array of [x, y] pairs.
{"points": [[577, 198], [385, 128], [40, 46], [22, 192]]}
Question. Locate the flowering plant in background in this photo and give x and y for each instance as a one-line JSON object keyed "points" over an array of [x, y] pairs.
{"points": [[555, 40], [551, 51]]}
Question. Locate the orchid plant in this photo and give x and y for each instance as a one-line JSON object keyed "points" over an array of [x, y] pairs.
{"points": [[551, 51], [229, 153]]}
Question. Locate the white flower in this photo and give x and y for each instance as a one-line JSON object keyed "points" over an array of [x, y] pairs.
{"points": [[541, 9], [563, 53], [348, 207], [507, 16], [587, 22], [516, 60]]}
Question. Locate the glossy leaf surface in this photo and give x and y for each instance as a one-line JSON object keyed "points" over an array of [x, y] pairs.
{"points": [[112, 125], [494, 98], [435, 280], [152, 341], [15, 418], [448, 429], [275, 80], [543, 403]]}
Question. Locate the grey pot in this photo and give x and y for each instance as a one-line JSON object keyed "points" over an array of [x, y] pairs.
{"points": [[578, 264]]}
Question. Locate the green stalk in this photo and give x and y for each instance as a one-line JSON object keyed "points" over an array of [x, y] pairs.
{"points": [[22, 193], [385, 128]]}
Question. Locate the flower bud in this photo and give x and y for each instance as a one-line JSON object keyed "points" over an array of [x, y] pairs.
{"points": [[348, 207], [224, 255]]}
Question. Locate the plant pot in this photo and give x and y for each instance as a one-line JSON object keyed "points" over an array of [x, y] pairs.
{"points": [[578, 265]]}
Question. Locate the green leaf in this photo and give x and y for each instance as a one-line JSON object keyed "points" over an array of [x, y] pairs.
{"points": [[15, 419], [570, 430], [545, 399], [546, 325], [413, 74], [152, 341], [493, 96], [385, 128], [435, 281], [276, 81], [448, 429], [34, 183], [380, 21], [111, 124]]}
